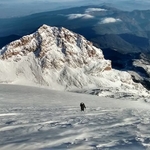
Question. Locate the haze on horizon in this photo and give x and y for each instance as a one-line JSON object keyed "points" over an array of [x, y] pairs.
{"points": [[17, 8]]}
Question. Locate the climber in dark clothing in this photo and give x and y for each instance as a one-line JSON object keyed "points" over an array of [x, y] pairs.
{"points": [[82, 105]]}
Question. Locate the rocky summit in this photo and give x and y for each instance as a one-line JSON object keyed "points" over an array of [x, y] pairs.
{"points": [[63, 60]]}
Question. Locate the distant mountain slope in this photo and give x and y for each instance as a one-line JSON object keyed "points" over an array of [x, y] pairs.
{"points": [[60, 59]]}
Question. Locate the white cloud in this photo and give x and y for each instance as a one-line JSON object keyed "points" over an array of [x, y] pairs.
{"points": [[109, 20], [83, 16], [94, 9]]}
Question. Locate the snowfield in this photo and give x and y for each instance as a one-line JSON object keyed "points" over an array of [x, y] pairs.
{"points": [[43, 119]]}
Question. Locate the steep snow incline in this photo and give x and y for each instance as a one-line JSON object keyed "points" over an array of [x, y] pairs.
{"points": [[61, 59], [40, 119]]}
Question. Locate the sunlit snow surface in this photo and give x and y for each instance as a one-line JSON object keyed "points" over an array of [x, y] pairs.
{"points": [[38, 118]]}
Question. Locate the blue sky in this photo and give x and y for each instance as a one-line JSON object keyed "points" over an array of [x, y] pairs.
{"points": [[11, 1], [29, 1]]}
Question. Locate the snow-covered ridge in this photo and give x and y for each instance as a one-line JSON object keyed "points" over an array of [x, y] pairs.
{"points": [[61, 59]]}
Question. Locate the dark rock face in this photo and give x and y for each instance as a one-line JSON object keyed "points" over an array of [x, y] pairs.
{"points": [[139, 72]]}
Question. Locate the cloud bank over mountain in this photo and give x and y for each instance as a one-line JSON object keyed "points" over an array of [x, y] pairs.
{"points": [[109, 20], [83, 16], [87, 14], [89, 10]]}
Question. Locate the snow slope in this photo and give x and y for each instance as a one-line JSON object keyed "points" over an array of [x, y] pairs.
{"points": [[63, 60], [42, 119]]}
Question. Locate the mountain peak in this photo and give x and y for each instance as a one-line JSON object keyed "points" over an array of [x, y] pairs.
{"points": [[57, 43], [59, 58]]}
